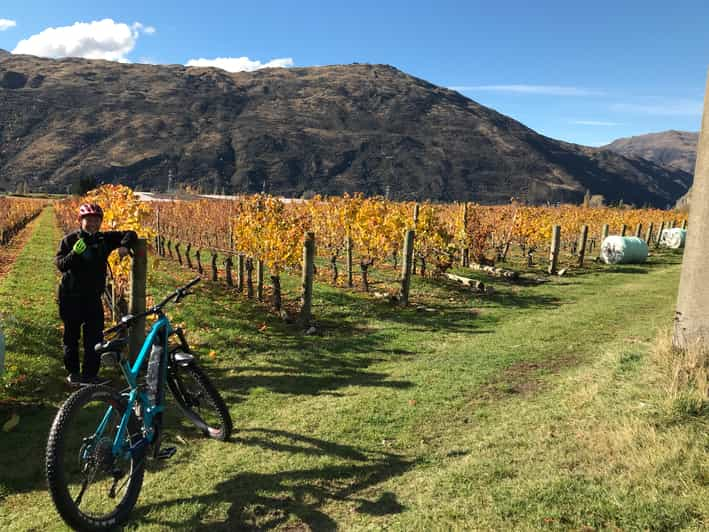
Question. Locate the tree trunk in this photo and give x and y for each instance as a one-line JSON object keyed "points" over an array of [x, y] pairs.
{"points": [[692, 316]]}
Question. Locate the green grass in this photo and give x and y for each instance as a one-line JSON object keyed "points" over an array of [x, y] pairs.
{"points": [[540, 407]]}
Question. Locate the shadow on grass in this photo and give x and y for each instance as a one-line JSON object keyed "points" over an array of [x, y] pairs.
{"points": [[296, 497], [22, 450]]}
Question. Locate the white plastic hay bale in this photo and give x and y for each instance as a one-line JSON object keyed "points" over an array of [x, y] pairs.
{"points": [[623, 250], [673, 238]]}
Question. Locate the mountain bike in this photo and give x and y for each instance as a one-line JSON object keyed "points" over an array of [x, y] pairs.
{"points": [[100, 438]]}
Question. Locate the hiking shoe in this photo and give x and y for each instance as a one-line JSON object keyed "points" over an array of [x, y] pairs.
{"points": [[74, 379]]}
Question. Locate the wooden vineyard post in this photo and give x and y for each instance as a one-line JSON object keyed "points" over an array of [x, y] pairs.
{"points": [[582, 244], [406, 267], [199, 261], [276, 283], [240, 272], [259, 279], [157, 231], [250, 278], [187, 256], [306, 316], [136, 303], [215, 274], [416, 221], [659, 234], [671, 225], [177, 252], [114, 305], [648, 234], [554, 250], [348, 252], [604, 232], [228, 265], [623, 229], [169, 247], [684, 224], [638, 230], [464, 252], [2, 352]]}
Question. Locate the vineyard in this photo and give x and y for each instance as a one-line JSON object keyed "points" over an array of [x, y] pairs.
{"points": [[246, 240], [545, 399], [16, 213]]}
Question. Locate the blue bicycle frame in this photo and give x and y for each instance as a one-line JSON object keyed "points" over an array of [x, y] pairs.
{"points": [[148, 409]]}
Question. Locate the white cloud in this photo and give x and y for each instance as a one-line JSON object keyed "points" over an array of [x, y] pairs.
{"points": [[149, 30], [667, 108], [6, 24], [240, 64], [595, 123], [99, 39], [547, 90]]}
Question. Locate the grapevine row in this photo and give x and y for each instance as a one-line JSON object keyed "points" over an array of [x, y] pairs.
{"points": [[16, 213]]}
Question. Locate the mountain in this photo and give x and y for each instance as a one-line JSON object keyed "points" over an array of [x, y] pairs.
{"points": [[333, 129], [676, 149]]}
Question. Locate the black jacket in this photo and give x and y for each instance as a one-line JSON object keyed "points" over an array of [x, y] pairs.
{"points": [[85, 274]]}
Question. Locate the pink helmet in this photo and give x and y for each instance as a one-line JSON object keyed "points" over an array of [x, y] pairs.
{"points": [[90, 208]]}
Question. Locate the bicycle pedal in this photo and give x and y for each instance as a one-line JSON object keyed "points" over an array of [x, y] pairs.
{"points": [[166, 452]]}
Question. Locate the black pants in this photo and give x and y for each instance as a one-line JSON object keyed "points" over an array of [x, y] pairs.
{"points": [[75, 312]]}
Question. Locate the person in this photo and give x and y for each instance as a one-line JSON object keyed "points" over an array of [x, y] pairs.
{"points": [[82, 259]]}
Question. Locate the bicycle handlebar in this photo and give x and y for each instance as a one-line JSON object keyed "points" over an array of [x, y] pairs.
{"points": [[128, 320]]}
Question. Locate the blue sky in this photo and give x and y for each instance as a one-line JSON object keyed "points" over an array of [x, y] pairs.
{"points": [[586, 72]]}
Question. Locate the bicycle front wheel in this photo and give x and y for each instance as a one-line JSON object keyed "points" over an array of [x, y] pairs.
{"points": [[200, 401], [92, 489]]}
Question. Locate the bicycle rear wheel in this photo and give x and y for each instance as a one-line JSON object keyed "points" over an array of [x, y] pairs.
{"points": [[199, 400], [91, 488]]}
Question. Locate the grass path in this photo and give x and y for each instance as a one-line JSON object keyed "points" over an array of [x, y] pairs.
{"points": [[536, 408]]}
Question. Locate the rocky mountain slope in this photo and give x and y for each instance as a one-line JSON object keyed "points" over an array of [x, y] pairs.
{"points": [[334, 129], [676, 149]]}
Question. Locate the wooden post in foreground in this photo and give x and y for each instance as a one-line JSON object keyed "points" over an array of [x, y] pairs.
{"points": [[406, 267], [554, 249], [638, 230], [306, 315], [416, 221], [582, 244], [136, 303]]}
